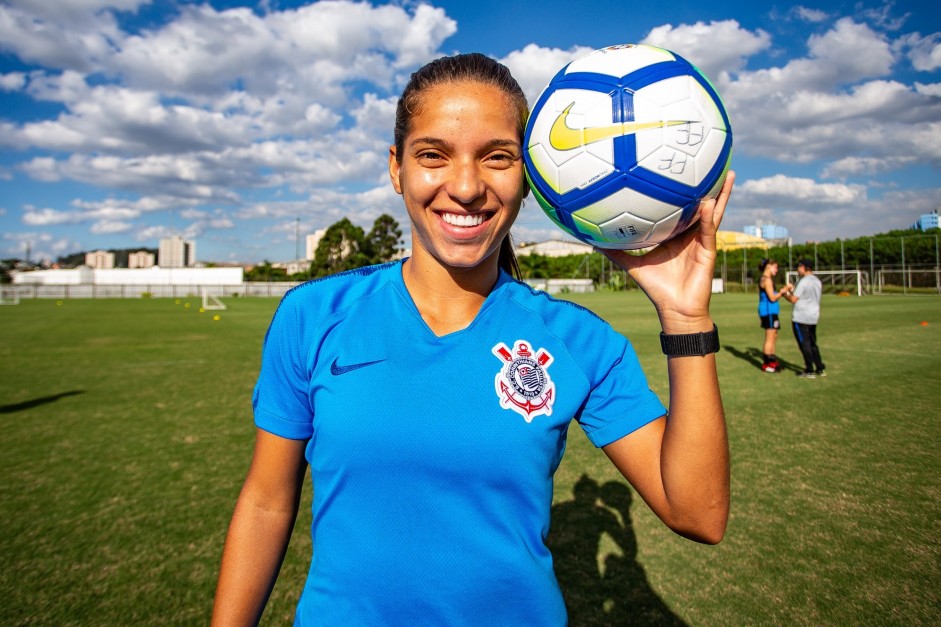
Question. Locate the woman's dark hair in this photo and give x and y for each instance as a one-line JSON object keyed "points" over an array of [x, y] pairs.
{"points": [[764, 263], [475, 68]]}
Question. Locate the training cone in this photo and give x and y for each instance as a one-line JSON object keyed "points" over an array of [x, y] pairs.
{"points": [[924, 323], [217, 317]]}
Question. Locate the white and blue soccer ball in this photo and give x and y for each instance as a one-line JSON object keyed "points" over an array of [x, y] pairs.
{"points": [[624, 143]]}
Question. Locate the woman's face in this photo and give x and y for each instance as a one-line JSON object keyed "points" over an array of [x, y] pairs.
{"points": [[773, 269], [461, 174]]}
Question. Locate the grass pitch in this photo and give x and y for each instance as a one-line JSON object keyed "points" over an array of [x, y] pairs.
{"points": [[127, 432]]}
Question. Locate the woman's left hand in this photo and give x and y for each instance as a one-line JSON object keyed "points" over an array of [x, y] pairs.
{"points": [[677, 274]]}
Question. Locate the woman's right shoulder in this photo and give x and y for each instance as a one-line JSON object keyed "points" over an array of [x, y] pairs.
{"points": [[336, 291]]}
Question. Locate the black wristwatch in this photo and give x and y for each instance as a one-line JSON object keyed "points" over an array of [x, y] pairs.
{"points": [[687, 345]]}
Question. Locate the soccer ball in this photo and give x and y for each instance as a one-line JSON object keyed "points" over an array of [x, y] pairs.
{"points": [[624, 143]]}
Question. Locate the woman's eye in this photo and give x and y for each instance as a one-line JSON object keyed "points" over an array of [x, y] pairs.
{"points": [[429, 157], [501, 160]]}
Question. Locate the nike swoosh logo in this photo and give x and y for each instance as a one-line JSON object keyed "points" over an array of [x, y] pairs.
{"points": [[337, 369], [564, 137]]}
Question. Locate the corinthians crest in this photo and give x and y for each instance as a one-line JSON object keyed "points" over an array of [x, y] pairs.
{"points": [[523, 384]]}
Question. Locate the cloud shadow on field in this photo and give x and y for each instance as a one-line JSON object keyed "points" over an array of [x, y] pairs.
{"points": [[609, 591], [36, 402]]}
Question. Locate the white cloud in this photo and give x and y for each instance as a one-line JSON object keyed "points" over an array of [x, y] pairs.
{"points": [[310, 52], [47, 217], [12, 81], [865, 166], [534, 66], [64, 35], [41, 245], [923, 52], [934, 89], [833, 104], [802, 190], [716, 47], [108, 227], [807, 14], [817, 212]]}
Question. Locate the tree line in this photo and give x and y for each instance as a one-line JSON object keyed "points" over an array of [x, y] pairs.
{"points": [[344, 246]]}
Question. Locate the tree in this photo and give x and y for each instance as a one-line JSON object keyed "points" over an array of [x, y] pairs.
{"points": [[382, 242], [265, 272], [340, 249]]}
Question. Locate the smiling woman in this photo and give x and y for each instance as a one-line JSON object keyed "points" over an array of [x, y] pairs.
{"points": [[432, 397]]}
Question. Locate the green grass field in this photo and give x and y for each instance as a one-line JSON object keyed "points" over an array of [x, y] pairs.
{"points": [[126, 433]]}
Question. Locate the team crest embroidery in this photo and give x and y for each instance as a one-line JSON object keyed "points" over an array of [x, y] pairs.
{"points": [[523, 383]]}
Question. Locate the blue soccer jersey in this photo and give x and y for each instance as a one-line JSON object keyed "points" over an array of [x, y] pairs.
{"points": [[765, 305], [432, 457]]}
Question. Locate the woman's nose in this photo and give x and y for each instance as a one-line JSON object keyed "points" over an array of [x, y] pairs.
{"points": [[466, 184]]}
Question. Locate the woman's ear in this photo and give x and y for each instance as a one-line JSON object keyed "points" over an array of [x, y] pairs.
{"points": [[394, 167]]}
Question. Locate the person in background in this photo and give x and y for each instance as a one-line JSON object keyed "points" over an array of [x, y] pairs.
{"points": [[806, 300], [768, 310]]}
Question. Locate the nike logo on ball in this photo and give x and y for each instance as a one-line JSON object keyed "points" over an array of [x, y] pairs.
{"points": [[564, 137], [337, 369]]}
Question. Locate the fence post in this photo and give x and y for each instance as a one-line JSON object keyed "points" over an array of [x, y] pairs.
{"points": [[937, 269]]}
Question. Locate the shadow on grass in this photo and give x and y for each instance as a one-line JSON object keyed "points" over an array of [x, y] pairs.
{"points": [[614, 591], [754, 357], [36, 402]]}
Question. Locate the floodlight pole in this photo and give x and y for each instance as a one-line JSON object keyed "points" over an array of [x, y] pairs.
{"points": [[937, 269]]}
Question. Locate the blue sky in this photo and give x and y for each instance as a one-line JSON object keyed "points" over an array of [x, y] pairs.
{"points": [[227, 121]]}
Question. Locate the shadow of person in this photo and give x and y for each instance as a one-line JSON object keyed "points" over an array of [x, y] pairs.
{"points": [[751, 355], [612, 591], [755, 358], [36, 402], [631, 600]]}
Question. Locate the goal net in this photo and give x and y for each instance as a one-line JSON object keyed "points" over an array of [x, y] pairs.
{"points": [[210, 302], [836, 281], [890, 280]]}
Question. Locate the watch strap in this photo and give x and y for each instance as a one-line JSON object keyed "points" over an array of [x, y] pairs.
{"points": [[690, 344]]}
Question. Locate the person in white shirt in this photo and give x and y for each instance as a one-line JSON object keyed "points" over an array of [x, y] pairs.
{"points": [[806, 300]]}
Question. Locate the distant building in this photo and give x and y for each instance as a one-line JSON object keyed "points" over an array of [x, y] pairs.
{"points": [[732, 240], [554, 248], [124, 276], [926, 221], [768, 231], [99, 260], [312, 240], [290, 268], [140, 259], [176, 252]]}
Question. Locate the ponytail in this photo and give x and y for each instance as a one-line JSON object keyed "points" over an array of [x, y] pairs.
{"points": [[508, 261]]}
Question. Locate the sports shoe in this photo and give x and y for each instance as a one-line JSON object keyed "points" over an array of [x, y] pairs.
{"points": [[806, 375], [821, 373], [770, 368]]}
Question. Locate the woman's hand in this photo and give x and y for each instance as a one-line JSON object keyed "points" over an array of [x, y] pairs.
{"points": [[677, 275]]}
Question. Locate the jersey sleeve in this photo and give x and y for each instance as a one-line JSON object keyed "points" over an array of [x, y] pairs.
{"points": [[620, 402], [280, 401]]}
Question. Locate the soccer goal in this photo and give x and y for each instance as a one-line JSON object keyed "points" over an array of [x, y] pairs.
{"points": [[210, 302], [835, 281], [905, 279], [9, 295]]}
